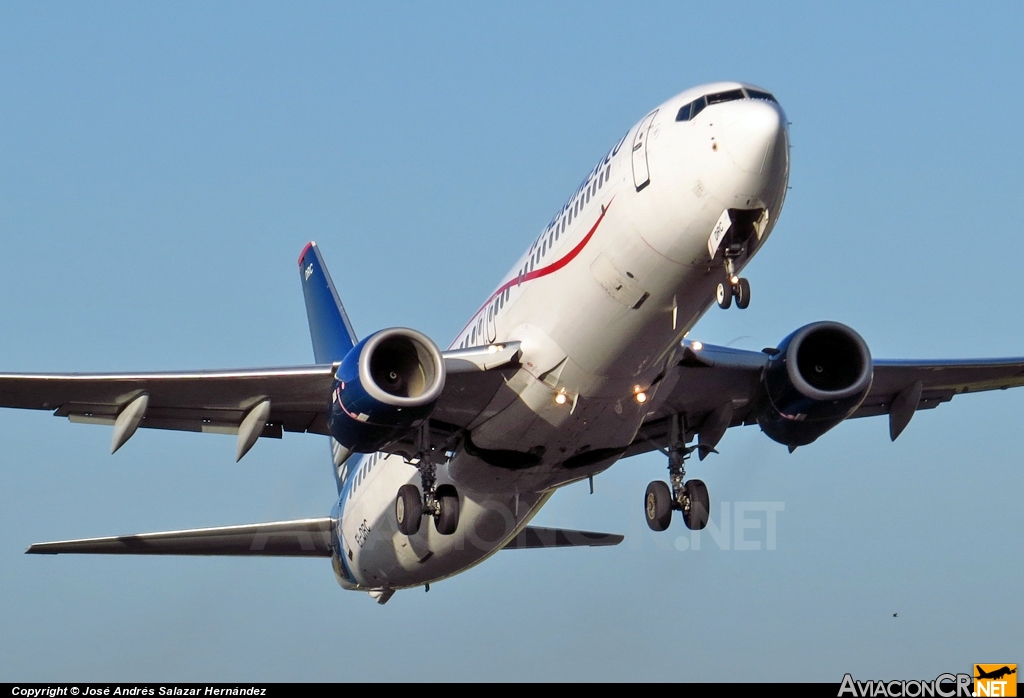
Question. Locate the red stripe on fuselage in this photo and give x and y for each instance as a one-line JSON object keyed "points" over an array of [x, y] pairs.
{"points": [[544, 271]]}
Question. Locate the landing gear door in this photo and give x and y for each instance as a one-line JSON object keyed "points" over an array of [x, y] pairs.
{"points": [[718, 233], [641, 174]]}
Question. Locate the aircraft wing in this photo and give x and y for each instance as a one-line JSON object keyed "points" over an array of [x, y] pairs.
{"points": [[293, 399], [301, 538], [208, 401], [715, 388]]}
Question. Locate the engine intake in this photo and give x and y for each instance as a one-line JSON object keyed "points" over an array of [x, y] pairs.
{"points": [[819, 376], [388, 383]]}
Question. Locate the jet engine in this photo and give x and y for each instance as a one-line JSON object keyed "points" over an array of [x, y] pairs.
{"points": [[816, 378], [388, 383]]}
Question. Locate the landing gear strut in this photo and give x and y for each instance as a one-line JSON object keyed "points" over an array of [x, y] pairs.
{"points": [[690, 498], [438, 501]]}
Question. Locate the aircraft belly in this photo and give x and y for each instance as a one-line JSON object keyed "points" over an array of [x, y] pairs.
{"points": [[388, 559], [380, 556]]}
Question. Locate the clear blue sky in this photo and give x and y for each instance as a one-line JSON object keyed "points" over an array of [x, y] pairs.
{"points": [[162, 165]]}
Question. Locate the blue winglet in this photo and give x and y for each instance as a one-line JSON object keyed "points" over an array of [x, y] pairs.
{"points": [[329, 326]]}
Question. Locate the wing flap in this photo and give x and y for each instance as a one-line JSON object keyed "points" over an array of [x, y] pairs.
{"points": [[540, 537], [300, 538]]}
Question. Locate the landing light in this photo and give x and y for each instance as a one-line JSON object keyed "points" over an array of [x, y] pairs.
{"points": [[641, 397], [697, 346], [492, 349], [734, 280], [560, 399]]}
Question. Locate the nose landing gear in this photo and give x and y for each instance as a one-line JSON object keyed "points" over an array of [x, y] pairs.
{"points": [[732, 240], [438, 501], [733, 287], [690, 498]]}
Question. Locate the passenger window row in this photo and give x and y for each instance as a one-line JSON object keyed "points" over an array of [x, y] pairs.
{"points": [[695, 107], [364, 471], [538, 251]]}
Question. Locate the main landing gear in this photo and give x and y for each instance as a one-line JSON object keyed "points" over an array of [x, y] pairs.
{"points": [[690, 498], [438, 501]]}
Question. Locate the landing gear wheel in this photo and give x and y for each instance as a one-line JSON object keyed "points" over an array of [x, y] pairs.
{"points": [[408, 509], [658, 505], [723, 294], [742, 292], [696, 505], [446, 520]]}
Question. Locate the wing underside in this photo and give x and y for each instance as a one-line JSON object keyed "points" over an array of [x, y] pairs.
{"points": [[292, 399], [715, 388], [300, 538]]}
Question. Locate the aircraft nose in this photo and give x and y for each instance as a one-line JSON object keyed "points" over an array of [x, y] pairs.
{"points": [[752, 138]]}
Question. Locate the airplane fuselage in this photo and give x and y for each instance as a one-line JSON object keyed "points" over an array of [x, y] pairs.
{"points": [[599, 302]]}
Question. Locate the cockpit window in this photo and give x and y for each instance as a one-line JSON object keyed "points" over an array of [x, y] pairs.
{"points": [[727, 96], [695, 107], [698, 106], [757, 94]]}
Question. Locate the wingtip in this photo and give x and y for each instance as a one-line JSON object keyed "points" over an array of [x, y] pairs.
{"points": [[35, 549]]}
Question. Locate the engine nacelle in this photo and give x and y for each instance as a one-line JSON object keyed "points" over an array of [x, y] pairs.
{"points": [[819, 376], [388, 383]]}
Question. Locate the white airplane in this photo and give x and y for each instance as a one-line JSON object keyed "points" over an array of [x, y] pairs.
{"points": [[578, 358]]}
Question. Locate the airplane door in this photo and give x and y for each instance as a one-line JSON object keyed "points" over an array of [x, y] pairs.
{"points": [[490, 322], [641, 175]]}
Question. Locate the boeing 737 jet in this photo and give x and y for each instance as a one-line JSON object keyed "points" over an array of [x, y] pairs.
{"points": [[580, 357]]}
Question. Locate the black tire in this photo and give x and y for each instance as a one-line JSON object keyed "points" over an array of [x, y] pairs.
{"points": [[408, 509], [447, 520], [742, 293], [723, 294], [696, 515], [658, 506]]}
